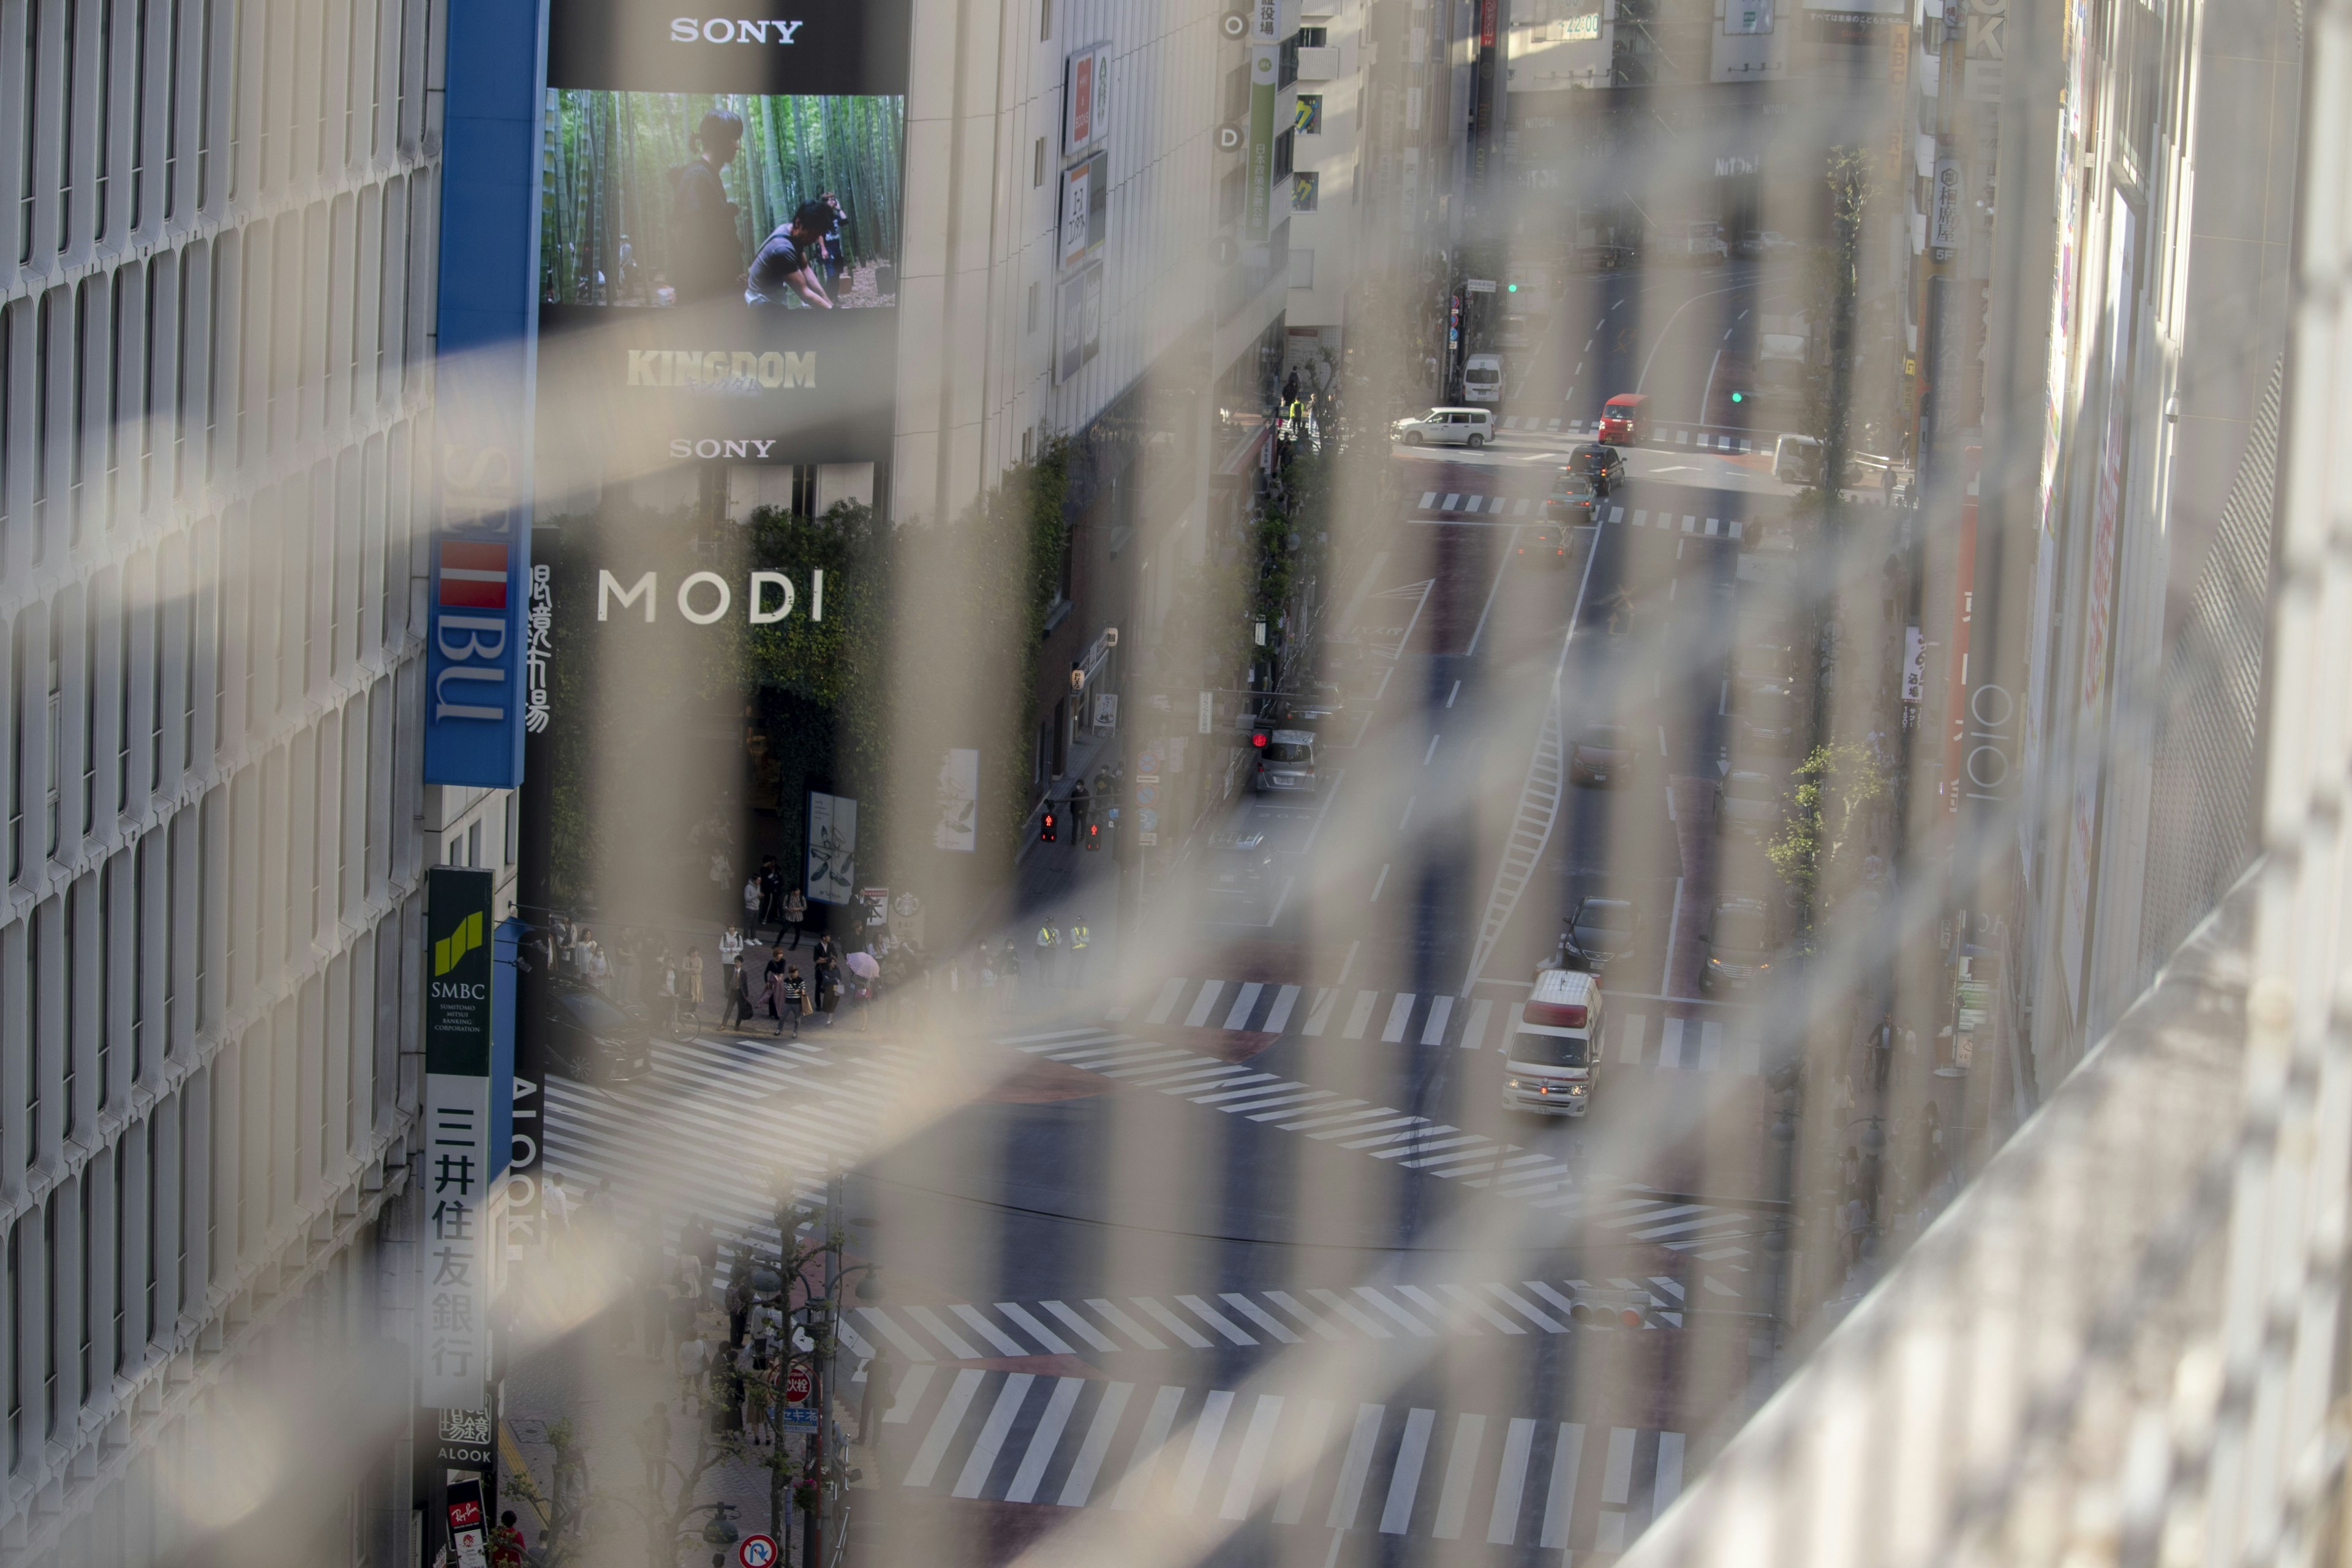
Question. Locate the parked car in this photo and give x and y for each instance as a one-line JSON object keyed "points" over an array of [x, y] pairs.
{"points": [[1739, 946], [1448, 428], [587, 1035], [1747, 805], [1766, 717], [1763, 662], [1601, 931], [1482, 378], [1603, 754], [1544, 546]]}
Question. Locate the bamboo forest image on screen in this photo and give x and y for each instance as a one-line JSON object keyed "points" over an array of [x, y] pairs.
{"points": [[660, 199]]}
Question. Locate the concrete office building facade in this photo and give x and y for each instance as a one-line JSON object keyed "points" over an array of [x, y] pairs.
{"points": [[217, 228]]}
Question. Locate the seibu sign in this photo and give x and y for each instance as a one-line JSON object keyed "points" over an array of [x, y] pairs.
{"points": [[705, 597]]}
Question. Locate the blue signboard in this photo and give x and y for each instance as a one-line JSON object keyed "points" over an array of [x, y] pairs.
{"points": [[485, 385]]}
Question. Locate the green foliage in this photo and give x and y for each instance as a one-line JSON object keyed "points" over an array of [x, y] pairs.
{"points": [[1834, 786], [610, 157]]}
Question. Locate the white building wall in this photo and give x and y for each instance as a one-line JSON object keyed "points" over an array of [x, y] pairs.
{"points": [[215, 328]]}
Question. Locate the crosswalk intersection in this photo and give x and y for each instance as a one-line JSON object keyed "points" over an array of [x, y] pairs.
{"points": [[1413, 1142], [1299, 1314], [1632, 1036], [1465, 503], [1240, 1456]]}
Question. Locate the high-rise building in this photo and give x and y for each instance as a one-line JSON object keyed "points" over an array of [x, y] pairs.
{"points": [[217, 327]]}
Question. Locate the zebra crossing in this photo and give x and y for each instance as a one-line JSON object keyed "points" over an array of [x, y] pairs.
{"points": [[1457, 504], [1216, 1319], [1632, 1036], [1277, 1457], [1410, 1141], [1683, 435], [687, 1137]]}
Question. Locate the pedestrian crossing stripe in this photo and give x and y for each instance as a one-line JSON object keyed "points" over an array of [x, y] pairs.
{"points": [[1466, 505], [1635, 1037], [1413, 1142], [1278, 1457]]}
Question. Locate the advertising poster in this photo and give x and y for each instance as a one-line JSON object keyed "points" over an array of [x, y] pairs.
{"points": [[456, 1279], [959, 822], [832, 848], [720, 227], [1077, 322]]}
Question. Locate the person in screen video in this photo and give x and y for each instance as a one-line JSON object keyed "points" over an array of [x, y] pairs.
{"points": [[786, 265], [707, 252]]}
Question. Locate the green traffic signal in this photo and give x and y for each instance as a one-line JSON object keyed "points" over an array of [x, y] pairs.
{"points": [[1739, 397], [1510, 288]]}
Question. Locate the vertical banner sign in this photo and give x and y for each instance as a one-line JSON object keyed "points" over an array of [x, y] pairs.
{"points": [[454, 1278], [483, 386], [958, 798], [832, 847], [515, 1101], [1258, 196]]}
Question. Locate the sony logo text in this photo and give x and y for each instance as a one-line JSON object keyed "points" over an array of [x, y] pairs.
{"points": [[720, 30], [720, 370], [710, 447]]}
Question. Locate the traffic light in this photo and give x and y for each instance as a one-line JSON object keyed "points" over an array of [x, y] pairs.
{"points": [[1258, 740], [1510, 288], [1050, 831], [1739, 397], [1093, 836]]}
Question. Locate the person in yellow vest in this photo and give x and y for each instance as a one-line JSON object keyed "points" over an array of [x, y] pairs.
{"points": [[1049, 947], [1080, 940]]}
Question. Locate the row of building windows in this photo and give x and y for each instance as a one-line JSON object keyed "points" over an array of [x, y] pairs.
{"points": [[214, 642], [185, 377], [199, 1188], [127, 118]]}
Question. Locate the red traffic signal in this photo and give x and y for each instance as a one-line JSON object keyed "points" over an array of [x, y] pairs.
{"points": [[1258, 739], [1050, 832], [1094, 834]]}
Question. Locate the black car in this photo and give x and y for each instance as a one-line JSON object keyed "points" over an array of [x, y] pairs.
{"points": [[1601, 930], [1603, 754], [1604, 465], [587, 1036], [1545, 546]]}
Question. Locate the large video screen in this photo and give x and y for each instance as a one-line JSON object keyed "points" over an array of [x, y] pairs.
{"points": [[666, 199]]}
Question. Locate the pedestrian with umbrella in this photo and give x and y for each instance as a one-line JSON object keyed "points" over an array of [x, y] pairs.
{"points": [[867, 969]]}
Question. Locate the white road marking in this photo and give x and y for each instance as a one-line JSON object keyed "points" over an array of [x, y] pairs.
{"points": [[1474, 1033], [1378, 883], [1452, 694], [1434, 1032]]}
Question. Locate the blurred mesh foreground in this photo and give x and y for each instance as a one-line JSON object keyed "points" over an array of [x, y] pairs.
{"points": [[2124, 1342]]}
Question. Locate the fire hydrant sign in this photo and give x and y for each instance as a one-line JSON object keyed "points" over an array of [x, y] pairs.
{"points": [[796, 1386]]}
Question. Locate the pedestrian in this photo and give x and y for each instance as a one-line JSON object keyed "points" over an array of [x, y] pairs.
{"points": [[1882, 1051], [751, 902], [506, 1542], [653, 1447], [827, 985], [791, 1000], [1081, 941], [652, 1311], [731, 953], [556, 1205], [1850, 1171], [772, 891], [990, 991], [693, 1360], [1078, 806], [691, 972], [770, 975], [739, 1300], [1049, 948], [1855, 1230], [1009, 979], [795, 912], [693, 1242]]}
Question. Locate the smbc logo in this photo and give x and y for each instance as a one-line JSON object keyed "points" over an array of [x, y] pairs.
{"points": [[458, 944]]}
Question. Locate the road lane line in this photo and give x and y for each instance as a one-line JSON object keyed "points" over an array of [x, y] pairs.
{"points": [[1412, 1325], [1404, 1481], [1670, 1043], [1503, 1524], [1037, 1331], [1239, 1017], [1360, 1015], [1258, 1315], [1409, 801], [1088, 1464], [1216, 1319], [1278, 1017], [1202, 1003], [1400, 1015], [1135, 1485], [1461, 1471], [1003, 1342], [1509, 545], [1559, 1501], [1079, 1326], [943, 1427], [1320, 1016], [1347, 1498], [1617, 1477], [1378, 883], [1045, 1439], [1313, 1431], [1452, 694], [1172, 1323], [1125, 1324], [1434, 1032], [1241, 1490], [993, 1433], [911, 1393], [1669, 1482], [1166, 1002], [1474, 1033], [1674, 924], [1431, 752]]}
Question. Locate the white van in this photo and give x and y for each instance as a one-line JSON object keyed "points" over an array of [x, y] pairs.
{"points": [[1551, 1057], [1472, 428], [1482, 378]]}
